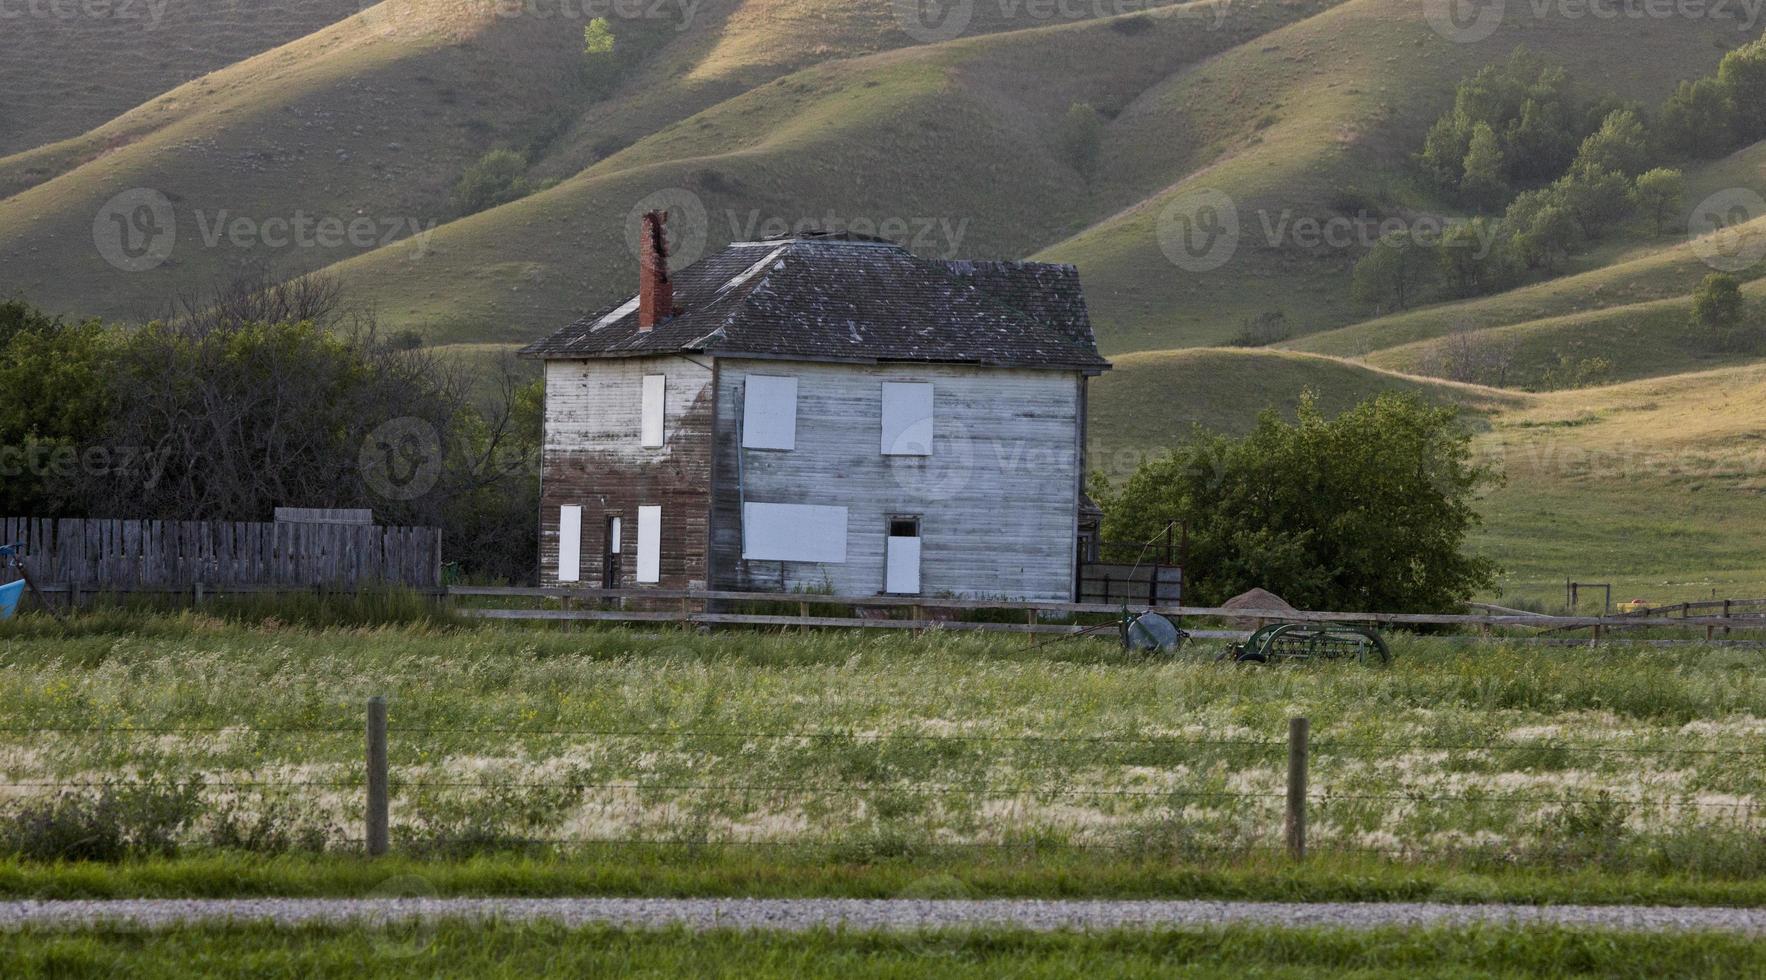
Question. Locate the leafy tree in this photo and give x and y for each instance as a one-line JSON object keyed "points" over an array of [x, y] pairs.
{"points": [[1473, 260], [598, 37], [498, 177], [1444, 151], [1599, 198], [1484, 184], [1697, 120], [52, 399], [1369, 511], [1621, 145], [1393, 272], [1718, 312], [1082, 136], [1542, 230], [1660, 193], [1742, 73]]}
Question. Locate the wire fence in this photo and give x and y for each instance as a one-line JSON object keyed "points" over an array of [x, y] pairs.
{"points": [[490, 787]]}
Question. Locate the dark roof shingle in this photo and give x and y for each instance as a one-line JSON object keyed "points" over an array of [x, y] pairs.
{"points": [[840, 299]]}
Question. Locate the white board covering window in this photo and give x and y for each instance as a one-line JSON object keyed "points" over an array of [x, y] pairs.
{"points": [[570, 544], [649, 545], [769, 412], [907, 418], [793, 532], [650, 425]]}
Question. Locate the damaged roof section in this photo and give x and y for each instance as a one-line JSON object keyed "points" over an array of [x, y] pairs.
{"points": [[853, 299]]}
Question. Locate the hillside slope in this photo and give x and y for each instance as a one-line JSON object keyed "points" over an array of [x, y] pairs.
{"points": [[1315, 122], [953, 148], [67, 68]]}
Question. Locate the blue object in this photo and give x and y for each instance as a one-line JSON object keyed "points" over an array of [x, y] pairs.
{"points": [[1153, 633], [9, 594]]}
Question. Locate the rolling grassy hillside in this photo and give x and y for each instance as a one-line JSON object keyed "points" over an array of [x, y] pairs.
{"points": [[1316, 120], [896, 135]]}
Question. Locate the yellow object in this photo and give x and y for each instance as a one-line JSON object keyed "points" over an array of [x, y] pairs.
{"points": [[1635, 605]]}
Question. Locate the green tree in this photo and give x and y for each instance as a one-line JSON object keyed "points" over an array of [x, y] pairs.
{"points": [[1542, 230], [598, 38], [1621, 145], [1484, 184], [1393, 272], [1742, 73], [1473, 260], [1599, 198], [498, 177], [1660, 193], [1718, 312], [1366, 512], [1698, 120], [53, 399]]}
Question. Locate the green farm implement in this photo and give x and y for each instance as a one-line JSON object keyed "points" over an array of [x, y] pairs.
{"points": [[1286, 642]]}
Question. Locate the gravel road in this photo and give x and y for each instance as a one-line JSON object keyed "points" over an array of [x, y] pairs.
{"points": [[809, 913]]}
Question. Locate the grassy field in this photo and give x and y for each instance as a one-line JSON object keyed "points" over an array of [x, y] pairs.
{"points": [[861, 749], [526, 951]]}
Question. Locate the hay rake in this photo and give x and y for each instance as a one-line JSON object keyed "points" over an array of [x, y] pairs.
{"points": [[1295, 642]]}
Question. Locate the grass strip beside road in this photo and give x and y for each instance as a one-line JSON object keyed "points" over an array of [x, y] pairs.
{"points": [[679, 871], [528, 950]]}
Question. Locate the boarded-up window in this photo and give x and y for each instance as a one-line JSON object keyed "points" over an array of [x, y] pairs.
{"points": [[649, 544], [769, 412], [650, 428], [570, 544], [907, 418], [793, 532]]}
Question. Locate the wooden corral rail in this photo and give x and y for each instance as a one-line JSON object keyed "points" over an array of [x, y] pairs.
{"points": [[684, 601]]}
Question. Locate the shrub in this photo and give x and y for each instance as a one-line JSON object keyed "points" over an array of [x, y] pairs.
{"points": [[497, 178], [119, 820], [1719, 316], [1268, 327]]}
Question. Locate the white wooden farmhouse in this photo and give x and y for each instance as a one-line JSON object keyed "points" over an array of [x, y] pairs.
{"points": [[821, 412]]}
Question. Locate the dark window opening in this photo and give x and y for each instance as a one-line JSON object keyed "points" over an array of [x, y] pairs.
{"points": [[904, 527]]}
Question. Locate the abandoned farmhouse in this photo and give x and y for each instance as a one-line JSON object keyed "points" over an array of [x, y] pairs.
{"points": [[823, 412]]}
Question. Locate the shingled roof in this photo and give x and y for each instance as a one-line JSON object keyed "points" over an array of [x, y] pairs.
{"points": [[852, 299]]}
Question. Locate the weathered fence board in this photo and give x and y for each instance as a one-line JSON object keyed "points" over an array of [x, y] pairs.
{"points": [[125, 554]]}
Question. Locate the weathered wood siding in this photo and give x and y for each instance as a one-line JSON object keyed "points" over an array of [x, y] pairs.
{"points": [[115, 554], [998, 499], [592, 458]]}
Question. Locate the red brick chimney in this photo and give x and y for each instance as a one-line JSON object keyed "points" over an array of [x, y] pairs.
{"points": [[656, 292]]}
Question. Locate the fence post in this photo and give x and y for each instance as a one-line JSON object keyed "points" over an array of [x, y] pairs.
{"points": [[377, 823], [1299, 731]]}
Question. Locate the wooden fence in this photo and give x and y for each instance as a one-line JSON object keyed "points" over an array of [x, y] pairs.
{"points": [[135, 556], [712, 607]]}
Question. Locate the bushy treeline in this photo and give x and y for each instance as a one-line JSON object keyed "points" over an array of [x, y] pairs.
{"points": [[1550, 172], [271, 395]]}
